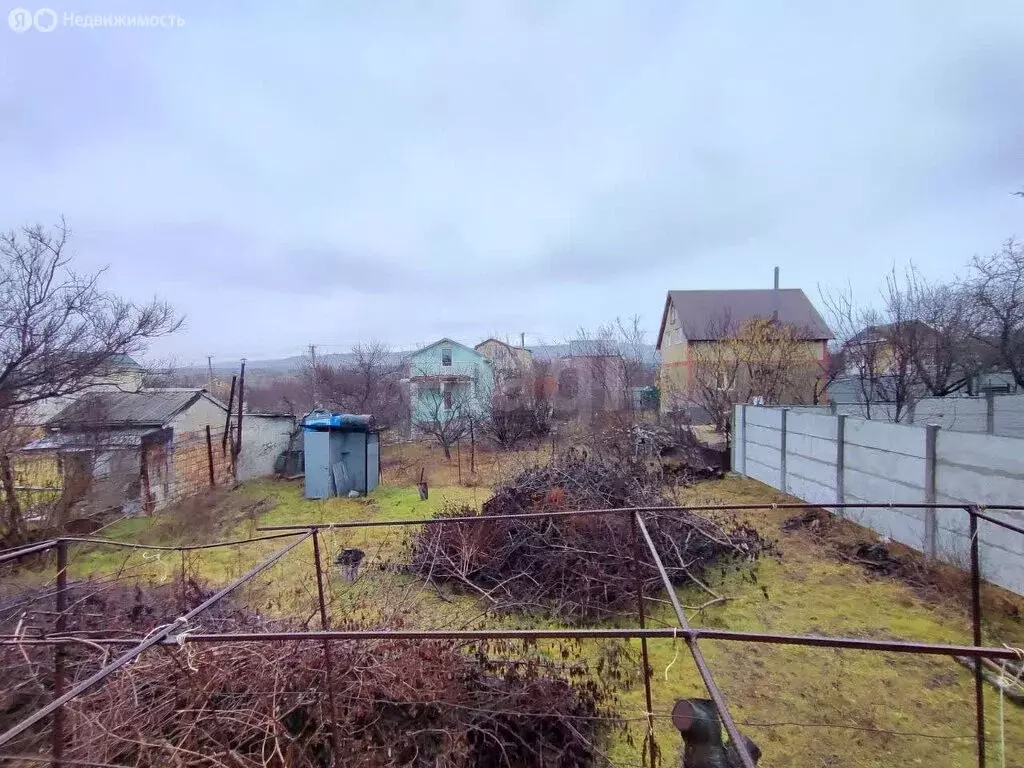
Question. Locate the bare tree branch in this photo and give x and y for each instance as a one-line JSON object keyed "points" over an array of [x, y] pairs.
{"points": [[57, 327]]}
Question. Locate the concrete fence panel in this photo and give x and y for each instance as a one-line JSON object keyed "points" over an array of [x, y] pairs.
{"points": [[828, 459]]}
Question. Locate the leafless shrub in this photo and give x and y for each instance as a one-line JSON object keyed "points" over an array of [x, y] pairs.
{"points": [[390, 703], [365, 380]]}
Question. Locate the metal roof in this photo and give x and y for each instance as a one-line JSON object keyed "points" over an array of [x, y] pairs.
{"points": [[704, 314], [145, 408], [107, 440], [125, 362]]}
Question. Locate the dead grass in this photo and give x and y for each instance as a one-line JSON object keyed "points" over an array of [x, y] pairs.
{"points": [[805, 707], [401, 464]]}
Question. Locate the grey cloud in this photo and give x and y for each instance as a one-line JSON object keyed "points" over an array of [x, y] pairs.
{"points": [[532, 164]]}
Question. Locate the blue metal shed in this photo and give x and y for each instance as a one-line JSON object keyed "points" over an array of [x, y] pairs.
{"points": [[342, 454]]}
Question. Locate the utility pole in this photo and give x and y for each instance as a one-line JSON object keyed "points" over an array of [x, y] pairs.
{"points": [[522, 340], [209, 373], [313, 372]]}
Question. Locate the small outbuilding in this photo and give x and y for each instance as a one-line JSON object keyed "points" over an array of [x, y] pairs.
{"points": [[342, 454]]}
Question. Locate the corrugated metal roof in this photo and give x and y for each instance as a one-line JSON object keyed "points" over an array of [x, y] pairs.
{"points": [[702, 314], [108, 440], [148, 407]]}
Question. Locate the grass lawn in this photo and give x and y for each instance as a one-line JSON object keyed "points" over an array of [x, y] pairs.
{"points": [[805, 707]]}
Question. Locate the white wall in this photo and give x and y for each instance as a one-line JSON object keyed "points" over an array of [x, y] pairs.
{"points": [[195, 418], [879, 462], [263, 439]]}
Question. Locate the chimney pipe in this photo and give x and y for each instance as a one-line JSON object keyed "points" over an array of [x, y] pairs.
{"points": [[775, 298]]}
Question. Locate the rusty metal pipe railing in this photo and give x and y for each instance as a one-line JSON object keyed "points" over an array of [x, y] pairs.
{"points": [[698, 657], [30, 549], [157, 637], [597, 633], [631, 510]]}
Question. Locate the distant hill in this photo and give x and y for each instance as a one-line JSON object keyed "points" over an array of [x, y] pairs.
{"points": [[286, 365]]}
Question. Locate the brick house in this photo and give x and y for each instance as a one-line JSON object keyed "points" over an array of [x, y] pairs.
{"points": [[701, 326], [133, 451]]}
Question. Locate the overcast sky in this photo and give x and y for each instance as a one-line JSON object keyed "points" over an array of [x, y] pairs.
{"points": [[408, 170]]}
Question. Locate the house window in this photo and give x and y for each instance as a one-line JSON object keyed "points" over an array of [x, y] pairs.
{"points": [[446, 355], [448, 397]]}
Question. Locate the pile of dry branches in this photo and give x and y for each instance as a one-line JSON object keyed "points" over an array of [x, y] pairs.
{"points": [[576, 568], [383, 704]]}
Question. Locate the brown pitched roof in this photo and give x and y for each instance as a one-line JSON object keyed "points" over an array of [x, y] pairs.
{"points": [[703, 314]]}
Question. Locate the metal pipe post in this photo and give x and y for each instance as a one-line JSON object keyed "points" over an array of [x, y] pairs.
{"points": [[328, 663], [227, 420], [979, 682], [650, 746], [209, 455], [59, 652], [698, 658], [241, 403]]}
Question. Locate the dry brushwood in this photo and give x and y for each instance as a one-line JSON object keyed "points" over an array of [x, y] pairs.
{"points": [[100, 609], [395, 704], [575, 568], [391, 703]]}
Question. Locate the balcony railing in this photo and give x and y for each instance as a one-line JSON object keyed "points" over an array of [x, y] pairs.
{"points": [[436, 370]]}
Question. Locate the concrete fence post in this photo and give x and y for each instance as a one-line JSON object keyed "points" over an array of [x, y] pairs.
{"points": [[782, 454], [931, 437], [743, 431], [990, 413], [840, 459]]}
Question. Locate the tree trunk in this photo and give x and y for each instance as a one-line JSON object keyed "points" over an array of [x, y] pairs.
{"points": [[15, 525], [447, 451]]}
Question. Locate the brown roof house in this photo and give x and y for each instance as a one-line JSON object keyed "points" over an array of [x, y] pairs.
{"points": [[134, 451], [719, 348]]}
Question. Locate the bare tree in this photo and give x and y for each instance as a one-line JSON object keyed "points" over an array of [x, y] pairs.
{"points": [[932, 323], [828, 370], [760, 360], [878, 351], [616, 361], [57, 327], [58, 331], [996, 286], [367, 380], [446, 414]]}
